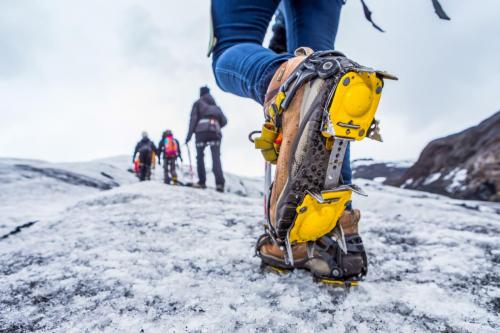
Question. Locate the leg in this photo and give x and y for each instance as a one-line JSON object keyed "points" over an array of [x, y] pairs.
{"points": [[142, 172], [312, 23], [200, 162], [241, 64], [173, 173], [148, 171], [166, 177], [216, 164]]}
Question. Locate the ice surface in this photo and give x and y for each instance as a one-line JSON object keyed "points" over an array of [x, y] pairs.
{"points": [[156, 258]]}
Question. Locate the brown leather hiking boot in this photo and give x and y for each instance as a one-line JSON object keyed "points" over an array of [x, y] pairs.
{"points": [[290, 125], [273, 256], [349, 222]]}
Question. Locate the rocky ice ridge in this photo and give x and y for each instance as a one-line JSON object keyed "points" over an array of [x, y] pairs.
{"points": [[386, 172], [464, 165], [147, 257]]}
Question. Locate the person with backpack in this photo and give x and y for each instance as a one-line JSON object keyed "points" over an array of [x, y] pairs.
{"points": [[206, 123], [170, 148], [146, 152]]}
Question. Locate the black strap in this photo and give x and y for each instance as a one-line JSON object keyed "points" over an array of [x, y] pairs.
{"points": [[439, 10], [368, 16]]}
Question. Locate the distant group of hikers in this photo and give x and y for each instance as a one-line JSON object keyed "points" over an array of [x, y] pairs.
{"points": [[207, 120]]}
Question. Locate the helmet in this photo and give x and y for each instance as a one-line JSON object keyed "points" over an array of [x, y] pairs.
{"points": [[168, 133], [144, 134]]}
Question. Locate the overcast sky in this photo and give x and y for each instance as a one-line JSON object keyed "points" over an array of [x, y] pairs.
{"points": [[81, 79]]}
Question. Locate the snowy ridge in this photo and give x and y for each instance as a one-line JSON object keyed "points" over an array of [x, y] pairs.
{"points": [[386, 172], [147, 257], [31, 190], [370, 161]]}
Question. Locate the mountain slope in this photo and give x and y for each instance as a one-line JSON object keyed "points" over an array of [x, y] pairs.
{"points": [[464, 165], [32, 190], [382, 171], [146, 257]]}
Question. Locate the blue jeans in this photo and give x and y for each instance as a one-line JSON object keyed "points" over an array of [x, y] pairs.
{"points": [[240, 63], [244, 67]]}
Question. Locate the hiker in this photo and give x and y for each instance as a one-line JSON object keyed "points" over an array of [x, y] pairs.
{"points": [[206, 122], [307, 130], [170, 148], [145, 152]]}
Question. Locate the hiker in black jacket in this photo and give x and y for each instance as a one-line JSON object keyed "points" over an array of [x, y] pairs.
{"points": [[170, 148], [206, 122], [145, 148]]}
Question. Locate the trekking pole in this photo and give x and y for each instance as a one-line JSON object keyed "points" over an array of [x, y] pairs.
{"points": [[191, 173], [267, 190]]}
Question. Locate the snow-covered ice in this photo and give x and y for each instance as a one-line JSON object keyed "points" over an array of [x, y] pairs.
{"points": [[147, 257], [379, 179]]}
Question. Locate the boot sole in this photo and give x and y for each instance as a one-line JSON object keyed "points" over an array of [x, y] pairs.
{"points": [[306, 210], [274, 269], [337, 283], [266, 267]]}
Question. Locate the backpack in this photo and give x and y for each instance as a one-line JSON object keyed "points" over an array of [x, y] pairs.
{"points": [[145, 152], [171, 147]]}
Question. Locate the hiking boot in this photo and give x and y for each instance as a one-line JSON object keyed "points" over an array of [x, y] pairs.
{"points": [[324, 258], [315, 105], [219, 188], [274, 257], [199, 185]]}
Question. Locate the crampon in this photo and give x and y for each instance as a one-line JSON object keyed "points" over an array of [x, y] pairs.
{"points": [[317, 104]]}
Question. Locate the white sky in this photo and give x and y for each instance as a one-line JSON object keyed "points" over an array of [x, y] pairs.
{"points": [[81, 79]]}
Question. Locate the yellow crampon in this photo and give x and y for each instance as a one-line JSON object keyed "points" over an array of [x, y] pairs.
{"points": [[339, 283], [276, 270], [316, 216], [354, 104], [352, 113]]}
